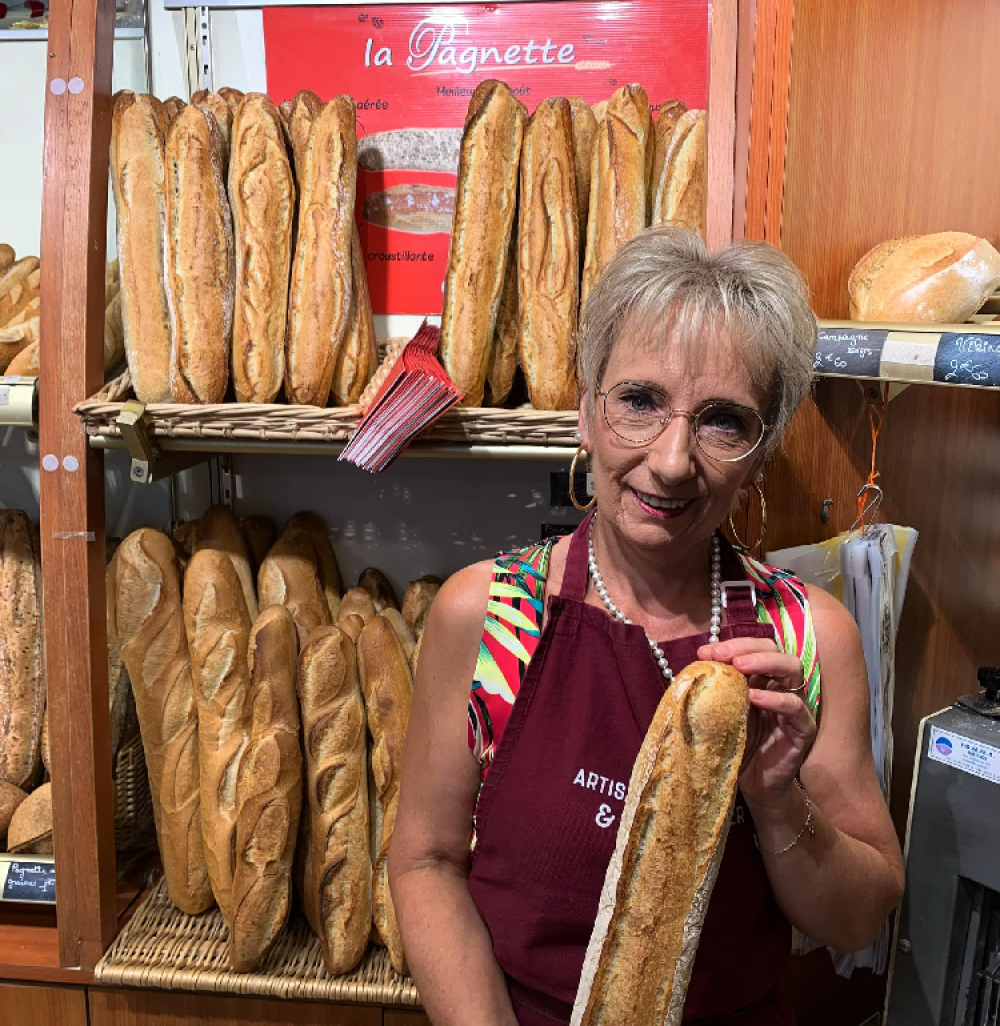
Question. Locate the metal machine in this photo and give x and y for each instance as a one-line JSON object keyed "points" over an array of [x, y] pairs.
{"points": [[945, 967]]}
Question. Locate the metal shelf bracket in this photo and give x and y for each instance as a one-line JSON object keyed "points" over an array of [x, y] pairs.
{"points": [[148, 463], [19, 402]]}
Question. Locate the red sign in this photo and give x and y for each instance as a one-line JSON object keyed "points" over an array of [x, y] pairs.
{"points": [[413, 67]]}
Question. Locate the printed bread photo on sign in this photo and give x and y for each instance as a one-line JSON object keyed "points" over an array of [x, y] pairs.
{"points": [[416, 72]]}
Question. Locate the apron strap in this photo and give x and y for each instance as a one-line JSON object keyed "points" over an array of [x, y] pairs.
{"points": [[739, 597], [576, 575]]}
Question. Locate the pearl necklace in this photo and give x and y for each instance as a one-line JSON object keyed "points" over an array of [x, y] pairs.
{"points": [[602, 591]]}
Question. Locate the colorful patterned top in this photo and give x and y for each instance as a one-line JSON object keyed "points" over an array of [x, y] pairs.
{"points": [[512, 630]]}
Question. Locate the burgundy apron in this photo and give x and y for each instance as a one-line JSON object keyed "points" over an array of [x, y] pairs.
{"points": [[547, 817]]}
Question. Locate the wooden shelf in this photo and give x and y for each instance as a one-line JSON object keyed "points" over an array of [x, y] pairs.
{"points": [[956, 355]]}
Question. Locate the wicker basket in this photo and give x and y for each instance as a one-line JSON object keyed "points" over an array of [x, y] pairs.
{"points": [[282, 423], [166, 948], [134, 826]]}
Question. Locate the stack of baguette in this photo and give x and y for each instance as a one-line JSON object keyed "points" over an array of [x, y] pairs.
{"points": [[241, 268], [542, 205], [20, 303], [273, 738], [23, 825]]}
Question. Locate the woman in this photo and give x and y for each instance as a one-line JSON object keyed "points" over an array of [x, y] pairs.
{"points": [[691, 368]]}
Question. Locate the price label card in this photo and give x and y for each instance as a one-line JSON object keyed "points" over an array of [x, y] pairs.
{"points": [[4, 396], [28, 880], [968, 359], [853, 352]]}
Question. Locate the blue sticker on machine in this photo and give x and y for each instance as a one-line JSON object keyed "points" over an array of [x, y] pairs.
{"points": [[968, 359], [853, 352], [28, 880]]}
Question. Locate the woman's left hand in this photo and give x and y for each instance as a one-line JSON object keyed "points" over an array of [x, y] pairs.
{"points": [[781, 729]]}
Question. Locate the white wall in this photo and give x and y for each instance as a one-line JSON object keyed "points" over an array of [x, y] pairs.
{"points": [[22, 120]]}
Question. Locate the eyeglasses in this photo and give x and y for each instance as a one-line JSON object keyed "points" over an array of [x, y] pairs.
{"points": [[725, 432]]}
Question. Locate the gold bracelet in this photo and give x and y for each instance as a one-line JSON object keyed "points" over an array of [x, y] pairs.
{"points": [[808, 827]]}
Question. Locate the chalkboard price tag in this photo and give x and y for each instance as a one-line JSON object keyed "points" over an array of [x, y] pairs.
{"points": [[853, 352], [29, 880], [967, 359]]}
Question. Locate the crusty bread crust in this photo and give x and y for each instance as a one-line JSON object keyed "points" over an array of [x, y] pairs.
{"points": [[942, 278], [262, 193], [268, 792], [155, 652], [669, 847], [338, 870], [388, 688], [319, 302], [138, 178], [218, 632], [199, 258], [485, 203], [617, 181], [549, 258], [683, 183]]}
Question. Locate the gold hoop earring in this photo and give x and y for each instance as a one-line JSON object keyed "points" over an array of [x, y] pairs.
{"points": [[572, 479], [740, 543]]}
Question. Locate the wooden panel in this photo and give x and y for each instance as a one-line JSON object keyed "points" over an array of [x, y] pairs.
{"points": [[721, 122], [406, 1019], [29, 1005], [74, 214], [153, 1008], [889, 99], [779, 120]]}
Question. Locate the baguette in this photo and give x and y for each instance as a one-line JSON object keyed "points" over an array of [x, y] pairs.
{"points": [[218, 633], [233, 97], [268, 792], [19, 290], [25, 364], [30, 828], [484, 218], [299, 114], [222, 112], [172, 106], [150, 624], [289, 577], [669, 847], [358, 356], [259, 533], [22, 672], [407, 642], [333, 730], [14, 340], [319, 304], [502, 364], [7, 256], [314, 531], [663, 130], [358, 601], [138, 178], [10, 798], [940, 278], [388, 687], [120, 700], [548, 261], [599, 110], [379, 587], [262, 192], [352, 625], [683, 183], [199, 259], [617, 181], [584, 129], [417, 602], [219, 529]]}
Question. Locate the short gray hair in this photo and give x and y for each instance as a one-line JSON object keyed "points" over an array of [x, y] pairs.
{"points": [[666, 278]]}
